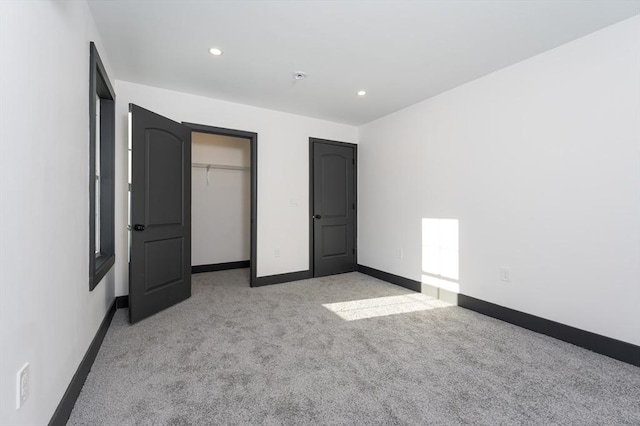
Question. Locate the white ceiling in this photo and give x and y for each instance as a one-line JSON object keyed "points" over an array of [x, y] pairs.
{"points": [[400, 52]]}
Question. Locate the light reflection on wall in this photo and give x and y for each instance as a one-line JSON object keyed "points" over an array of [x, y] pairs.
{"points": [[440, 253]]}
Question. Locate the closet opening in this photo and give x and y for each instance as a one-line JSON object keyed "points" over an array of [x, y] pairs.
{"points": [[223, 199]]}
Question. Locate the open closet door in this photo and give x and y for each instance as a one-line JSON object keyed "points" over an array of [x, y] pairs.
{"points": [[160, 265]]}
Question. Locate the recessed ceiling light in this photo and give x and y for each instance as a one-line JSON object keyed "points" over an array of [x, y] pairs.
{"points": [[215, 51], [361, 93]]}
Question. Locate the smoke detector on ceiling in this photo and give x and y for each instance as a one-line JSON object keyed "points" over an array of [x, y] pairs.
{"points": [[299, 75]]}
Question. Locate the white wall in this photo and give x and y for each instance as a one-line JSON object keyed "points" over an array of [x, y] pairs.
{"points": [[283, 168], [540, 164], [220, 199], [218, 149], [48, 317]]}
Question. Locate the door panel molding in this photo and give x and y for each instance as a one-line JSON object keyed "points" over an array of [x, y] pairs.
{"points": [[169, 272], [163, 180]]}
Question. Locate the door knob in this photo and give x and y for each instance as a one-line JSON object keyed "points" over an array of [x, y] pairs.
{"points": [[138, 227], [317, 216]]}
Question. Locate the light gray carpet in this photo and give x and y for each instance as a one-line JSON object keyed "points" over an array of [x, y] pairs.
{"points": [[276, 356]]}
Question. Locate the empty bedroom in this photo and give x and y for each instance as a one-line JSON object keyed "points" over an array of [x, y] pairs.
{"points": [[319, 212]]}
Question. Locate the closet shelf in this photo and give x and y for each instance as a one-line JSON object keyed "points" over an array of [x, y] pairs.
{"points": [[218, 166]]}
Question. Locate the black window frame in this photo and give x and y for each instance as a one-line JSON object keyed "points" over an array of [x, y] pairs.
{"points": [[100, 88]]}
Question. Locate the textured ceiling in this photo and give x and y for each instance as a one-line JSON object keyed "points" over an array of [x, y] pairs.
{"points": [[400, 52]]}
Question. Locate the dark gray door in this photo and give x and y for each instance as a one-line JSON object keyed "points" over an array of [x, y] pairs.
{"points": [[334, 207], [160, 266]]}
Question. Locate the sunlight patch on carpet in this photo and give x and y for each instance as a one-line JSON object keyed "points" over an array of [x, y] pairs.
{"points": [[384, 306]]}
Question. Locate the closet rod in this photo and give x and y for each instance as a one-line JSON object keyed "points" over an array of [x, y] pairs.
{"points": [[218, 166]]}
